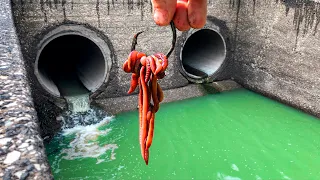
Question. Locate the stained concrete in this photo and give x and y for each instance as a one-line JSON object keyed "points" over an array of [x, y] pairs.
{"points": [[276, 51]]}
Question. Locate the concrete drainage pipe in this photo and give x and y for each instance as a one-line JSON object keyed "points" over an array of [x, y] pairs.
{"points": [[202, 54], [72, 60]]}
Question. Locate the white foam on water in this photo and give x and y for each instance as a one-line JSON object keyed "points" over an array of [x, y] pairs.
{"points": [[78, 103], [85, 144], [222, 176], [234, 167], [72, 119], [284, 176]]}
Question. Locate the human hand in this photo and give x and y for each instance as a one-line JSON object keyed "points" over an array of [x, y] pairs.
{"points": [[184, 13]]}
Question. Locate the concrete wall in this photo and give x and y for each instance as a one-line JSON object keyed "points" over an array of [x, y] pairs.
{"points": [[272, 45], [115, 21], [277, 51]]}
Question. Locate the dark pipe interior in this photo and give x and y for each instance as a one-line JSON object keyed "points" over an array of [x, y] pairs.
{"points": [[203, 53], [71, 65]]}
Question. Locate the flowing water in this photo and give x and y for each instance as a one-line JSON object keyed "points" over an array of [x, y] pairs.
{"points": [[78, 103], [230, 135]]}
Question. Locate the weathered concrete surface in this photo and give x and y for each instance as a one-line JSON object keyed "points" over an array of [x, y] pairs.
{"points": [[21, 148], [129, 103], [276, 51], [116, 23], [222, 86]]}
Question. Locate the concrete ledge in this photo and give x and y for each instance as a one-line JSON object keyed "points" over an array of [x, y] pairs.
{"points": [[22, 153], [220, 86], [128, 103]]}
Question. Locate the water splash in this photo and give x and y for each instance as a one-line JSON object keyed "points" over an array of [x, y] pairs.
{"points": [[78, 103], [83, 130], [86, 145], [71, 119]]}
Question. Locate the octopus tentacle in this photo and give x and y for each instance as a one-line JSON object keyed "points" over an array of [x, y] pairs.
{"points": [[134, 82], [163, 59], [140, 114], [154, 93], [137, 65], [160, 93], [153, 65], [148, 71], [145, 107], [158, 65], [151, 130], [140, 55], [133, 58], [161, 75], [125, 66]]}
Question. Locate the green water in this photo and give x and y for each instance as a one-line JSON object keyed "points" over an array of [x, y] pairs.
{"points": [[231, 135]]}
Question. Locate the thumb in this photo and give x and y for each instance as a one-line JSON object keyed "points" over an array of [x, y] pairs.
{"points": [[163, 11]]}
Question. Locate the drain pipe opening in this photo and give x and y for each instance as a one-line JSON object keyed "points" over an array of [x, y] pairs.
{"points": [[70, 65], [203, 54]]}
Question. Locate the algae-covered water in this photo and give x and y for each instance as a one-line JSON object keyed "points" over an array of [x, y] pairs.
{"points": [[230, 135]]}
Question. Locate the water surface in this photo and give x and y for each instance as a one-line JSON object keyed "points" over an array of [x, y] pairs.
{"points": [[231, 135]]}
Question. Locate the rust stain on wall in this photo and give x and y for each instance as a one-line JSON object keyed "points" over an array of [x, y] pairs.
{"points": [[22, 5], [49, 3], [108, 6], [254, 7], [63, 3], [98, 11], [237, 5], [56, 2], [130, 5], [43, 10], [71, 4], [306, 16], [141, 9]]}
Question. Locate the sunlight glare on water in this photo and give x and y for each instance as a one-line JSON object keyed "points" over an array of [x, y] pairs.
{"points": [[231, 135]]}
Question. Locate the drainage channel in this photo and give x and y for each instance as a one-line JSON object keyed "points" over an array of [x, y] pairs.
{"points": [[72, 61], [203, 54]]}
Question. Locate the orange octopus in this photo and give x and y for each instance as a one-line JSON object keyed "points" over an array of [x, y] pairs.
{"points": [[146, 70]]}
